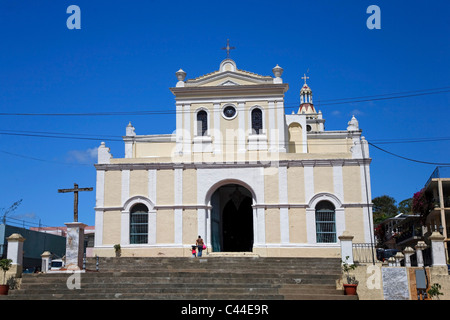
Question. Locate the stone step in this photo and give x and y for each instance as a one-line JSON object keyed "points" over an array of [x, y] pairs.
{"points": [[212, 278]]}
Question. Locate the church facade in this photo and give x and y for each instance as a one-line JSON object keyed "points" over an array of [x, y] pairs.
{"points": [[239, 172]]}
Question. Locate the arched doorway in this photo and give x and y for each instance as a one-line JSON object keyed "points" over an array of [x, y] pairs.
{"points": [[232, 219]]}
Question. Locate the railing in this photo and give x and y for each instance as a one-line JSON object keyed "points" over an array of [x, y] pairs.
{"points": [[439, 172], [364, 252]]}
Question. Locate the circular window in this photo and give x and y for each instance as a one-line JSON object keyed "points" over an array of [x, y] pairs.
{"points": [[229, 112], [308, 128]]}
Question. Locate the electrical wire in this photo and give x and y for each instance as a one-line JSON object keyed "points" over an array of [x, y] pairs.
{"points": [[398, 95]]}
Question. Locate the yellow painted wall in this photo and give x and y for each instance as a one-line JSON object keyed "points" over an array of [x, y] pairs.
{"points": [[138, 183], [113, 188], [190, 186], [271, 194], [111, 227], [352, 184], [354, 221], [190, 226], [165, 187], [323, 179], [272, 225], [296, 185], [297, 225], [165, 226]]}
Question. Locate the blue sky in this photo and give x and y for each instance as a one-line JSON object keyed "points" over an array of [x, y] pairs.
{"points": [[125, 56]]}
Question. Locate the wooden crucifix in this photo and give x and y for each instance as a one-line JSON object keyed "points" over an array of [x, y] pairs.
{"points": [[75, 191]]}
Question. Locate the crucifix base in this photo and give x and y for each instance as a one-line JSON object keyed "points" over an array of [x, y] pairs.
{"points": [[74, 245]]}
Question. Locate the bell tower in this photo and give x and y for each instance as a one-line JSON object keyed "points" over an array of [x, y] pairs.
{"points": [[306, 99]]}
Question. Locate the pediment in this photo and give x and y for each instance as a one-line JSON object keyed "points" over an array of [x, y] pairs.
{"points": [[229, 78]]}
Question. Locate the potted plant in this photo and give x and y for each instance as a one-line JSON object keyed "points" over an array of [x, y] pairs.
{"points": [[117, 249], [352, 283], [5, 264]]}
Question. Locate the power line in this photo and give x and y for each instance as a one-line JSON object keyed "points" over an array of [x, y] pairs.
{"points": [[387, 96], [409, 159]]}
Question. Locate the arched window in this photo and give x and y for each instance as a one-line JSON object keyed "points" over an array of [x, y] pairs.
{"points": [[202, 123], [257, 123], [139, 224], [325, 222]]}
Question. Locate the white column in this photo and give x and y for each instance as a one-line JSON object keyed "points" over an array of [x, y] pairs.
{"points": [[338, 180], [346, 247], [179, 128], [201, 224], [309, 182], [438, 249], [178, 201], [281, 126], [271, 130], [216, 131], [125, 194], [187, 136], [283, 200], [152, 185], [261, 226], [241, 130], [99, 203], [15, 250]]}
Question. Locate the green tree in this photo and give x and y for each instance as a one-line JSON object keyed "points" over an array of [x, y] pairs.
{"points": [[383, 207], [405, 206]]}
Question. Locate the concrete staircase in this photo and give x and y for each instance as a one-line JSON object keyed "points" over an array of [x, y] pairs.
{"points": [[209, 277]]}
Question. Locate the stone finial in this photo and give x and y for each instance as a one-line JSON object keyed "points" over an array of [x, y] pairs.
{"points": [[277, 71], [408, 250], [421, 245], [16, 237], [181, 75], [46, 254], [130, 130], [353, 124], [436, 236], [104, 156]]}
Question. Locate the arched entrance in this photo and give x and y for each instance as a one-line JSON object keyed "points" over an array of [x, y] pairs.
{"points": [[232, 219]]}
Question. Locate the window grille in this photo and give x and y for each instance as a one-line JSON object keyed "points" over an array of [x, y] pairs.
{"points": [[139, 224], [202, 123], [325, 223], [257, 124]]}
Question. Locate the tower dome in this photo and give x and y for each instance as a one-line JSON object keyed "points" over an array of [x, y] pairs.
{"points": [[306, 100]]}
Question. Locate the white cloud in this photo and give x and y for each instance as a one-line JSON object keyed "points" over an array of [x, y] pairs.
{"points": [[82, 156]]}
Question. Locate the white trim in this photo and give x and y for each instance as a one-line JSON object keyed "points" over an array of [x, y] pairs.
{"points": [[98, 228], [100, 190], [125, 194], [338, 181], [281, 126], [216, 131], [311, 215], [152, 185], [309, 182], [187, 129], [283, 199], [208, 122], [125, 220], [237, 109], [178, 200]]}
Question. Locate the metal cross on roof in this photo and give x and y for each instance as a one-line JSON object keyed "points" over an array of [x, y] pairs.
{"points": [[305, 77], [228, 48]]}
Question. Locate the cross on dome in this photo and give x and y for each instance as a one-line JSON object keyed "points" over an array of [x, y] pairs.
{"points": [[228, 48]]}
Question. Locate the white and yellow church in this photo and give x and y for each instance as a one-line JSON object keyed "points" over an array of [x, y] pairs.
{"points": [[237, 171]]}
